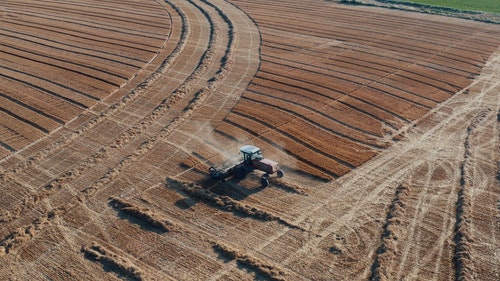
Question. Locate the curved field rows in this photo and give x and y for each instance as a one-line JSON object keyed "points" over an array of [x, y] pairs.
{"points": [[357, 84], [59, 58], [384, 127], [84, 162]]}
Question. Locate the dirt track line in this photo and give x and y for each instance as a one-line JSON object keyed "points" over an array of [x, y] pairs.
{"points": [[367, 196], [187, 112], [407, 71], [49, 92], [377, 107], [264, 267], [183, 227], [444, 223], [328, 174], [125, 137], [58, 59], [35, 77], [371, 84], [77, 239], [417, 218], [46, 61], [139, 10], [8, 147], [483, 92], [410, 256], [298, 140]]}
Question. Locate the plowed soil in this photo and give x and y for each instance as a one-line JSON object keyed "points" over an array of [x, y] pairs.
{"points": [[386, 124]]}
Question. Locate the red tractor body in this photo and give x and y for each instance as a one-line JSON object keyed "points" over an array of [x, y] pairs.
{"points": [[266, 165]]}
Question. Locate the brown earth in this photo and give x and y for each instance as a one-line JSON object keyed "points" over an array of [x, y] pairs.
{"points": [[385, 122]]}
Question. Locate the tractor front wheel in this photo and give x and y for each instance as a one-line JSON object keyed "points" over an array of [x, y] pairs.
{"points": [[280, 173]]}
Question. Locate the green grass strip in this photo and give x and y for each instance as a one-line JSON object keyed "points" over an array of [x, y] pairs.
{"points": [[473, 5]]}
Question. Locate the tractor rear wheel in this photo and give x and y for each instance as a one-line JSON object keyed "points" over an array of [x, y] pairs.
{"points": [[264, 181]]}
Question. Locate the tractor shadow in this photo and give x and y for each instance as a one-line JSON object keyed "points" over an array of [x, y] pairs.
{"points": [[236, 189]]}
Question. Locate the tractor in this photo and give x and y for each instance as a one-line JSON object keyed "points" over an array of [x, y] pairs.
{"points": [[251, 159]]}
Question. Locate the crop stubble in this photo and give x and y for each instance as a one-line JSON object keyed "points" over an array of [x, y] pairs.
{"points": [[373, 83], [59, 59]]}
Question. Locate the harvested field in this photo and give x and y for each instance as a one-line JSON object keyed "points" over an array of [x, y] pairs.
{"points": [[386, 125], [61, 58]]}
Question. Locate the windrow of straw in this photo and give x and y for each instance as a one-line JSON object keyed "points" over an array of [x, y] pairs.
{"points": [[142, 214], [270, 272], [113, 262]]}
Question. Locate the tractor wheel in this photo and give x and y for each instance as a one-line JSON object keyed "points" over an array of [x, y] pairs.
{"points": [[240, 172], [264, 181], [212, 171], [280, 173]]}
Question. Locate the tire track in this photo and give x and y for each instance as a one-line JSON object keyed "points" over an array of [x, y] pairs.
{"points": [[421, 220], [413, 263]]}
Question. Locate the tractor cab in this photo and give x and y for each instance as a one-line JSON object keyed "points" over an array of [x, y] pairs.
{"points": [[249, 153]]}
